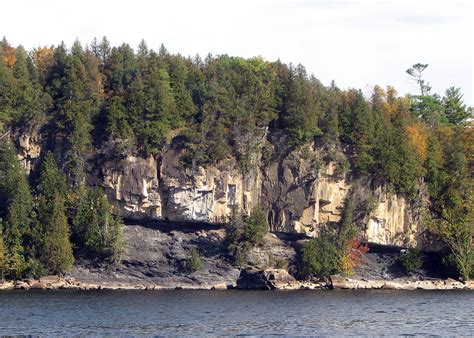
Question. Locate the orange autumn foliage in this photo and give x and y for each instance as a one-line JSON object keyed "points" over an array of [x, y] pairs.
{"points": [[388, 102], [418, 137], [468, 138], [353, 255], [43, 57], [9, 57]]}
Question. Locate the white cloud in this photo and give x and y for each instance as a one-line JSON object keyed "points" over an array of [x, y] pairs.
{"points": [[356, 43]]}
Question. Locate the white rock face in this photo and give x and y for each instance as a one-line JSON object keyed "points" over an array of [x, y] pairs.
{"points": [[392, 222], [143, 189], [29, 149], [296, 197], [331, 195], [133, 188]]}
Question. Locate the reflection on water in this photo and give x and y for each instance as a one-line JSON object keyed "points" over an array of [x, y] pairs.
{"points": [[236, 312]]}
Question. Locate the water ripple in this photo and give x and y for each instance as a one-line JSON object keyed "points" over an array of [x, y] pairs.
{"points": [[256, 313]]}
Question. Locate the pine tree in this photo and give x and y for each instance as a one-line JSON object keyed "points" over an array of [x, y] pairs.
{"points": [[357, 122], [51, 183], [54, 244], [57, 251], [300, 110], [16, 209], [455, 110], [95, 228], [178, 73]]}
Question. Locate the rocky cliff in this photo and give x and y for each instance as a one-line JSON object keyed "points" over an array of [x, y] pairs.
{"points": [[298, 190]]}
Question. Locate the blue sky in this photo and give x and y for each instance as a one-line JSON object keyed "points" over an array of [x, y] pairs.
{"points": [[356, 43]]}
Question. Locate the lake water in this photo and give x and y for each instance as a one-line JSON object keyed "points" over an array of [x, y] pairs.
{"points": [[185, 312]]}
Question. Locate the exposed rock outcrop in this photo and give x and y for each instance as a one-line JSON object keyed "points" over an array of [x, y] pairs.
{"points": [[392, 222], [270, 279], [340, 282], [294, 188], [297, 192], [132, 186], [29, 149]]}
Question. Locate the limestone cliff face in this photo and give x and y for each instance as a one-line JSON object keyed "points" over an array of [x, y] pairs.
{"points": [[29, 149], [205, 194], [147, 189], [132, 187], [392, 221], [297, 192]]}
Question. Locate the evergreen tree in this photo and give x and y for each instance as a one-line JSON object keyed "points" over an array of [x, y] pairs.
{"points": [[56, 252], [51, 183], [54, 244], [454, 109], [300, 117], [330, 122], [95, 228], [178, 72], [425, 106], [117, 122], [16, 209], [75, 105], [358, 128]]}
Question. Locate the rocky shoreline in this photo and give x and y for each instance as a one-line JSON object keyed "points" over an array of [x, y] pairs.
{"points": [[274, 279], [155, 259]]}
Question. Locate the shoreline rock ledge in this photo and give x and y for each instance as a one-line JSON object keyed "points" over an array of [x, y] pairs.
{"points": [[346, 283], [251, 279]]}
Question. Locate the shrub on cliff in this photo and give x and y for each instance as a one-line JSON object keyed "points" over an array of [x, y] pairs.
{"points": [[411, 260], [194, 261], [320, 256], [242, 234], [337, 249]]}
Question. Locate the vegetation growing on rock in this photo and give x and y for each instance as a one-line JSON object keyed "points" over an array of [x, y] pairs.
{"points": [[337, 249], [194, 261], [143, 101], [411, 260], [243, 233]]}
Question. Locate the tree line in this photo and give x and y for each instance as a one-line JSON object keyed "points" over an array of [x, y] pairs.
{"points": [[142, 101]]}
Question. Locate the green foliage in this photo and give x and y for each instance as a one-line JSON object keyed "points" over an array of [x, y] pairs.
{"points": [[56, 254], [320, 255], [451, 189], [16, 209], [425, 106], [357, 123], [243, 234], [300, 111], [54, 246], [94, 226], [411, 260], [214, 110], [194, 261], [255, 227], [282, 263], [454, 109], [117, 124], [51, 183], [335, 250]]}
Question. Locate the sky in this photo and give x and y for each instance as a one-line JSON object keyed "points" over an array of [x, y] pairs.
{"points": [[356, 43]]}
